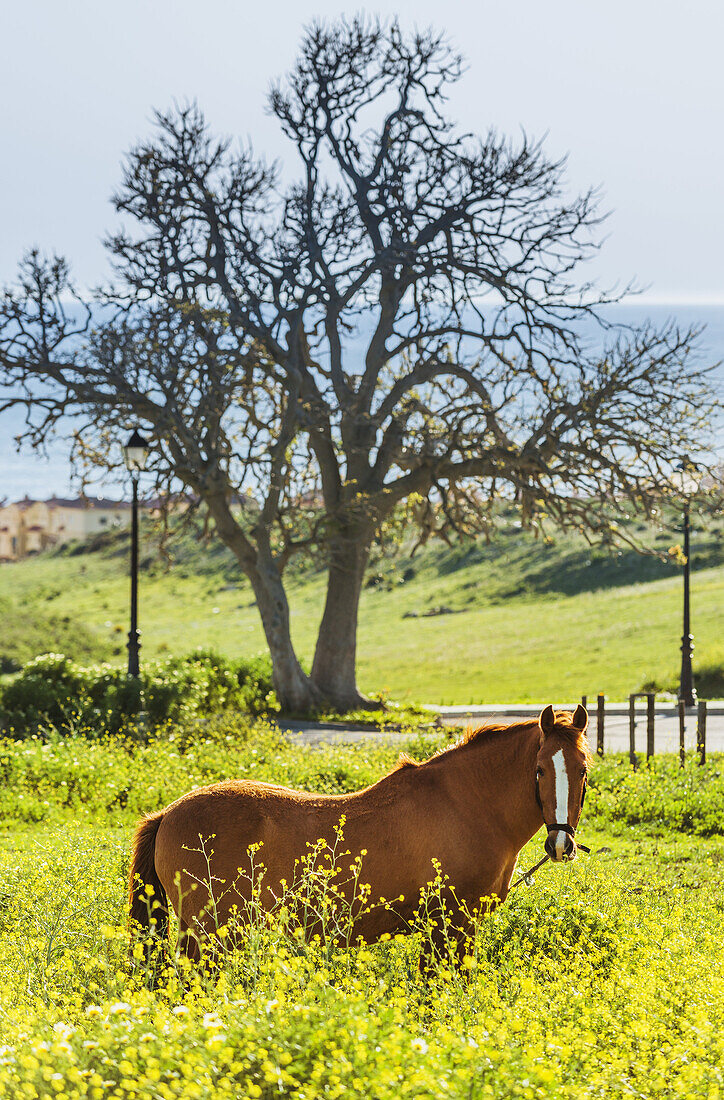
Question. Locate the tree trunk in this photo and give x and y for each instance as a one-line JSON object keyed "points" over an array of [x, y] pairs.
{"points": [[295, 691], [333, 678], [334, 667]]}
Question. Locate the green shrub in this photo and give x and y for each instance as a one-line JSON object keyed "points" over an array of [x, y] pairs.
{"points": [[659, 795], [53, 691], [256, 686]]}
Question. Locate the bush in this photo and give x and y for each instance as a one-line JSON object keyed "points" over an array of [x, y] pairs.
{"points": [[256, 686], [50, 689], [54, 691], [659, 796]]}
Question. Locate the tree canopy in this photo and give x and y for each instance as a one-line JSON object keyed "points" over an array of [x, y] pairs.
{"points": [[399, 314]]}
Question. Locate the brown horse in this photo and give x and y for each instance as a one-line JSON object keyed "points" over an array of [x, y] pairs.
{"points": [[467, 810]]}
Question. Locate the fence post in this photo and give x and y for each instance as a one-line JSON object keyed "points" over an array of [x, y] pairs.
{"points": [[632, 730], [650, 715], [701, 731], [682, 730], [584, 702], [600, 717]]}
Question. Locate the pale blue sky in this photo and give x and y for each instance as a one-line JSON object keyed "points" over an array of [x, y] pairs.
{"points": [[632, 90]]}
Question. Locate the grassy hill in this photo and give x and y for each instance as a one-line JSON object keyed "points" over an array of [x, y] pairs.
{"points": [[32, 629], [518, 619]]}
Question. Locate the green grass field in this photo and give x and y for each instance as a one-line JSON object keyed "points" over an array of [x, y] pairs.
{"points": [[531, 621], [603, 980]]}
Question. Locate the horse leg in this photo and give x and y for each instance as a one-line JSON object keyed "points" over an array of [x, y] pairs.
{"points": [[188, 946], [203, 949], [446, 940]]}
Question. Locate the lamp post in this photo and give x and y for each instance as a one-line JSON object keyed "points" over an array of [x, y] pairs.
{"points": [[686, 483], [135, 453]]}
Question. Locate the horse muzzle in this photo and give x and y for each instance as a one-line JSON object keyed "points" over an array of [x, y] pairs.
{"points": [[560, 846]]}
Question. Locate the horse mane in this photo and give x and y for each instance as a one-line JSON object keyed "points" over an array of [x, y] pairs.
{"points": [[492, 730], [404, 761]]}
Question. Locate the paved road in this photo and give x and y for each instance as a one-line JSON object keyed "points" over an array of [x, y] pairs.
{"points": [[305, 734], [616, 737], [616, 728]]}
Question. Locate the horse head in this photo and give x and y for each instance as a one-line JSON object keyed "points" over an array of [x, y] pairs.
{"points": [[561, 773]]}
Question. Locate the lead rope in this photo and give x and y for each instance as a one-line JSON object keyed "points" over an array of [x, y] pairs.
{"points": [[527, 876]]}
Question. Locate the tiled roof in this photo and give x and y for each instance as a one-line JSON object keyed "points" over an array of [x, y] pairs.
{"points": [[86, 503], [82, 503]]}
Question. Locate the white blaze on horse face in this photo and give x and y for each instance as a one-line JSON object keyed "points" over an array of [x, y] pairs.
{"points": [[559, 770]]}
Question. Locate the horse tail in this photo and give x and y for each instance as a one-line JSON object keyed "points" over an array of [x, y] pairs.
{"points": [[147, 899]]}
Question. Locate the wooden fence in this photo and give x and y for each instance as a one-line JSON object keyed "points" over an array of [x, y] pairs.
{"points": [[650, 726]]}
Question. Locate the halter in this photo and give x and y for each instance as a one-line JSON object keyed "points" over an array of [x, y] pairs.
{"points": [[563, 827], [560, 826]]}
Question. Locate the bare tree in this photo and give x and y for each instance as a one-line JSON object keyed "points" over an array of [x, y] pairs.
{"points": [[406, 318]]}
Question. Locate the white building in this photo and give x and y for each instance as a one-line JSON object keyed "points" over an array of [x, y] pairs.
{"points": [[29, 526]]}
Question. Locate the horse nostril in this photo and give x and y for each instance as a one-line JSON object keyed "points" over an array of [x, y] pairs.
{"points": [[570, 848], [550, 848]]}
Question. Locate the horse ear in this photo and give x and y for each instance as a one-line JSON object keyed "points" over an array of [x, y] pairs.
{"points": [[580, 718], [547, 720]]}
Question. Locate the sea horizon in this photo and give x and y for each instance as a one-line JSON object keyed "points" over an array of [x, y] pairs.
{"points": [[38, 476]]}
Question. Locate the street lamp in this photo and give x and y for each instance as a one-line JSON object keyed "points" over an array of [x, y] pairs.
{"points": [[135, 454], [686, 481]]}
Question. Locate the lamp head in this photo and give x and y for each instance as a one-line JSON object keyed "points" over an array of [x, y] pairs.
{"points": [[686, 477], [136, 452]]}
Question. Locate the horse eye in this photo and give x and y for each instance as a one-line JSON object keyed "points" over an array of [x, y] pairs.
{"points": [[583, 773], [539, 771]]}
